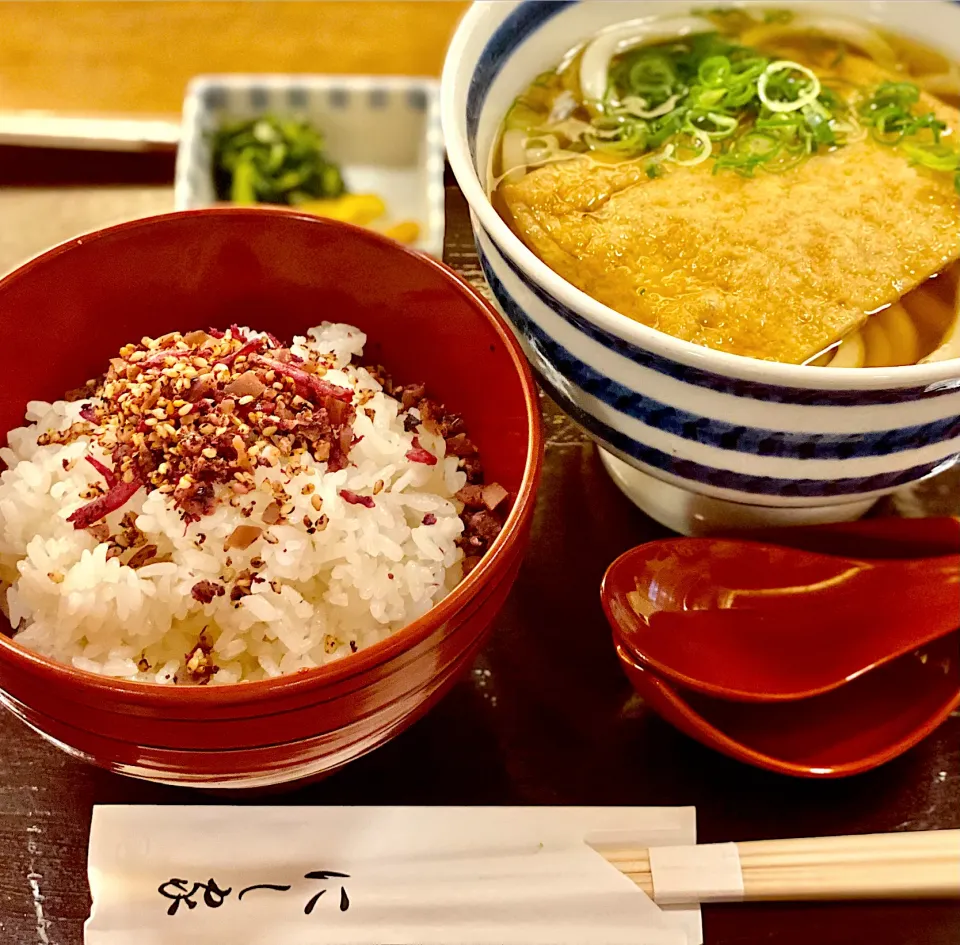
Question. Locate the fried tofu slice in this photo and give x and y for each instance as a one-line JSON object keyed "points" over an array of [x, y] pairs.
{"points": [[777, 266]]}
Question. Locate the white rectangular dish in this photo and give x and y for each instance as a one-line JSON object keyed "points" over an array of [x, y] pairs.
{"points": [[383, 131]]}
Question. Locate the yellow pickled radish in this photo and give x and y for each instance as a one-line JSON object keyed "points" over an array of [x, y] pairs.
{"points": [[359, 209], [406, 232]]}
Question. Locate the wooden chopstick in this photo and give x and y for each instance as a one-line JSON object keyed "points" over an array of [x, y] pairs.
{"points": [[912, 865]]}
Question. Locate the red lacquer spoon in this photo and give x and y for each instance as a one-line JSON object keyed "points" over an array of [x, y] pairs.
{"points": [[840, 733], [748, 620]]}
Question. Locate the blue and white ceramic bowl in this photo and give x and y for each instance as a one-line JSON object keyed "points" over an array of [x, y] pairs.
{"points": [[383, 131], [698, 438]]}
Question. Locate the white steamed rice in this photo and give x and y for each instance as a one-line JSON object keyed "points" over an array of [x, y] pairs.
{"points": [[370, 572]]}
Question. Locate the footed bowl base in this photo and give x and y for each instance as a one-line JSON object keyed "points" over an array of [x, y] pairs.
{"points": [[691, 513]]}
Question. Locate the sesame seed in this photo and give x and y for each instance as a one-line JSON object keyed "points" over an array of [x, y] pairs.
{"points": [[316, 502]]}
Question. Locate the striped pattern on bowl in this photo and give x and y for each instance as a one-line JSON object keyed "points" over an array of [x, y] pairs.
{"points": [[728, 427]]}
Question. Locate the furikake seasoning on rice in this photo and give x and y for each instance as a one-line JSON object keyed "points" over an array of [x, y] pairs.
{"points": [[221, 507]]}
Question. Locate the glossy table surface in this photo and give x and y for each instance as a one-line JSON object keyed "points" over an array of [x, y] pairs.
{"points": [[544, 716]]}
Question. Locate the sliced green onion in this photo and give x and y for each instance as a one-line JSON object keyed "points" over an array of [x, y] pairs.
{"points": [[715, 71], [722, 126], [746, 70], [739, 96], [750, 151], [702, 139], [679, 97], [928, 122], [639, 107], [806, 97], [628, 137], [709, 98], [818, 121], [889, 113], [938, 157]]}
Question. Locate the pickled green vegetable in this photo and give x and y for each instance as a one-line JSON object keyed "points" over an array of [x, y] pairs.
{"points": [[273, 160]]}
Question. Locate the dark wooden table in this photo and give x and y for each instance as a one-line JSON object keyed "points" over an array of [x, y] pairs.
{"points": [[554, 722]]}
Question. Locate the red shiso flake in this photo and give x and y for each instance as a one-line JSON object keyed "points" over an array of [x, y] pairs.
{"points": [[353, 499], [88, 414], [103, 505], [104, 471], [419, 455], [429, 519], [307, 383], [251, 347], [158, 359]]}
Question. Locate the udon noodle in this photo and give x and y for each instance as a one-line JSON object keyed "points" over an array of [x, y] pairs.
{"points": [[781, 186]]}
